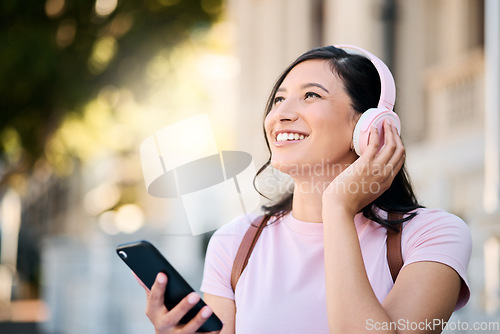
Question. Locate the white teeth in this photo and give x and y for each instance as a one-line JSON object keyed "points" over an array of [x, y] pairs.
{"points": [[284, 136]]}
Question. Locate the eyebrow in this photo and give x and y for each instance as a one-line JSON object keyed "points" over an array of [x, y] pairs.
{"points": [[304, 86]]}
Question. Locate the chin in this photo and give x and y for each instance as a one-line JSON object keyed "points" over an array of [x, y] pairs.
{"points": [[283, 166], [313, 166], [293, 168]]}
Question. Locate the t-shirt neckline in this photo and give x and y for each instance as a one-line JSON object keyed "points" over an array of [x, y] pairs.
{"points": [[309, 228], [302, 227]]}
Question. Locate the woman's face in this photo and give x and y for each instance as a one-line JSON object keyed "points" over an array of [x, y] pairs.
{"points": [[311, 123]]}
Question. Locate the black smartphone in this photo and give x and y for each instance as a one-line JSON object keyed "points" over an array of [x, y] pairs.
{"points": [[146, 262]]}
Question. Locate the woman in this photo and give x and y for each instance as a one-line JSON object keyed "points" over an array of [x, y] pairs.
{"points": [[320, 264]]}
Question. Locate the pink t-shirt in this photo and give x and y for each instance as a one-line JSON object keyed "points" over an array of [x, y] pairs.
{"points": [[282, 289]]}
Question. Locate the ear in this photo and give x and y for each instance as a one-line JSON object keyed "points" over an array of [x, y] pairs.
{"points": [[355, 118]]}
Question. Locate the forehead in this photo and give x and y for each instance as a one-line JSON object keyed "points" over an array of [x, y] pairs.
{"points": [[309, 71]]}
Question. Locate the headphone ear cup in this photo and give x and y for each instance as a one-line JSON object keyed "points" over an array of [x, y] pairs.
{"points": [[372, 117]]}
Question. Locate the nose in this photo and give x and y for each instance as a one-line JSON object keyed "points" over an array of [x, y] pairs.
{"points": [[287, 111]]}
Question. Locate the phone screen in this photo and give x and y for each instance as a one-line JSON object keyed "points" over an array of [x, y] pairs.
{"points": [[146, 262]]}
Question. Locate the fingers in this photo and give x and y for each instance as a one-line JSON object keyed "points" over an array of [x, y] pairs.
{"points": [[394, 146], [172, 318], [164, 319], [373, 143], [155, 306], [392, 150], [387, 160], [198, 320], [183, 307]]}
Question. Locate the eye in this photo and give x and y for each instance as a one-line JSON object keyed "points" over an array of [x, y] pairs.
{"points": [[278, 99], [311, 94]]}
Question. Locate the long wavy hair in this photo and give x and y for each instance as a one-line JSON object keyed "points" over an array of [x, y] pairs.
{"points": [[362, 84]]}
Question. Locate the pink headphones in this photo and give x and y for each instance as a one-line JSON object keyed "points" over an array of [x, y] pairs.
{"points": [[375, 116]]}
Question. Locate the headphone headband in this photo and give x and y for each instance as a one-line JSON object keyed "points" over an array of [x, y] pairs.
{"points": [[387, 85]]}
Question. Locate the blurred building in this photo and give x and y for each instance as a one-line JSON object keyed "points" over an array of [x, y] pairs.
{"points": [[438, 52]]}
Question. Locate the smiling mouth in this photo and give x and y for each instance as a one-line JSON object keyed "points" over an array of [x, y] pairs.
{"points": [[289, 136]]}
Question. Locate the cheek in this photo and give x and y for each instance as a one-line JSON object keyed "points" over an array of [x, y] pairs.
{"points": [[336, 133], [268, 124]]}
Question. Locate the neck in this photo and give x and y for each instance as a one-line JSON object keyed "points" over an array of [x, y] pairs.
{"points": [[307, 207], [308, 198], [308, 191]]}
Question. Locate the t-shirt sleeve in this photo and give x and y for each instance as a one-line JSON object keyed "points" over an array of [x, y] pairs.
{"points": [[439, 236], [221, 252]]}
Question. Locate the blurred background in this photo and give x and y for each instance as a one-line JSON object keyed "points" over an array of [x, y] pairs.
{"points": [[83, 83]]}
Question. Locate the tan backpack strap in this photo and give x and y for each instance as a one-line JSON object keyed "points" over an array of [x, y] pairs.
{"points": [[394, 255], [246, 247]]}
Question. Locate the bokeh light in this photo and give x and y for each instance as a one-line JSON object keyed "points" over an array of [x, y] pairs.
{"points": [[129, 218], [101, 198], [54, 8], [105, 7]]}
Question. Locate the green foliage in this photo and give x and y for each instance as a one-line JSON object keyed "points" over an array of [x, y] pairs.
{"points": [[53, 59]]}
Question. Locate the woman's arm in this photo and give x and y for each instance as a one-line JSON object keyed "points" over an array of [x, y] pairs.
{"points": [[424, 295], [225, 309], [424, 291]]}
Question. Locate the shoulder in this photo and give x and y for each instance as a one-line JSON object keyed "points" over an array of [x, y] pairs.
{"points": [[236, 227], [229, 236], [436, 235], [436, 221], [220, 255], [439, 236], [436, 227]]}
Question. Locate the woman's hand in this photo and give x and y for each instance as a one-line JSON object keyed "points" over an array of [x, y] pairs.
{"points": [[370, 175], [167, 321]]}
